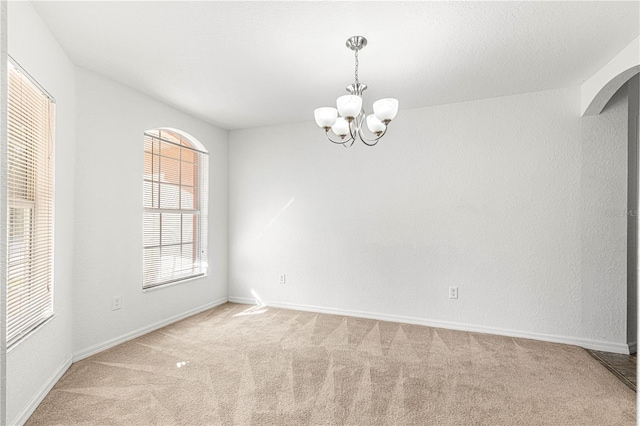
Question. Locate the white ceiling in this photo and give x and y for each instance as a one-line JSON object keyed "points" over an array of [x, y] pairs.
{"points": [[248, 64]]}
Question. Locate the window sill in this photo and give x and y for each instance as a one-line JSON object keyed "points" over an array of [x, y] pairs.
{"points": [[26, 336], [172, 283]]}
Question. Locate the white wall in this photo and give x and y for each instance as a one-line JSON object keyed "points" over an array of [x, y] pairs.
{"points": [[632, 204], [108, 227], [3, 209], [603, 221], [32, 362], [490, 196]]}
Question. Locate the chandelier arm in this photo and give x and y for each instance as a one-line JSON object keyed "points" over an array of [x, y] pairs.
{"points": [[356, 124], [353, 131], [375, 140], [369, 142], [337, 142]]}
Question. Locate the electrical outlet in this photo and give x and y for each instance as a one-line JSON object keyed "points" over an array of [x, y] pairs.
{"points": [[453, 292], [283, 278], [116, 303]]}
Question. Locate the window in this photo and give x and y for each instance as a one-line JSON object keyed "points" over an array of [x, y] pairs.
{"points": [[175, 208], [30, 162]]}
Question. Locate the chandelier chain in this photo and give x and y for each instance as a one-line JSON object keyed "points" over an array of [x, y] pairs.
{"points": [[356, 67]]}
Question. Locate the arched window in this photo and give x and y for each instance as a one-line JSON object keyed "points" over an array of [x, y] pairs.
{"points": [[175, 207]]}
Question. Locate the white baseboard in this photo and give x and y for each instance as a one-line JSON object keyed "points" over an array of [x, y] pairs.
{"points": [[576, 341], [24, 415], [633, 347], [92, 350]]}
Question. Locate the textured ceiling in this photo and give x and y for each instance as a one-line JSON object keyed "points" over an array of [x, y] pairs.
{"points": [[248, 64]]}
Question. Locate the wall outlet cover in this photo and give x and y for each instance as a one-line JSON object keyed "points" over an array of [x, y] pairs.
{"points": [[116, 303], [453, 292]]}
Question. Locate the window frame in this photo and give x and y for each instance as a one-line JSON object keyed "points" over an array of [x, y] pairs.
{"points": [[39, 201], [198, 212]]}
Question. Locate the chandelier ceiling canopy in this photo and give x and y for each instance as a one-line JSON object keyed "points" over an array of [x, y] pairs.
{"points": [[346, 122]]}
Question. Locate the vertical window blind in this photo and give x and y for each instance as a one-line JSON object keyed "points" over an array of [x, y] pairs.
{"points": [[175, 203], [30, 161]]}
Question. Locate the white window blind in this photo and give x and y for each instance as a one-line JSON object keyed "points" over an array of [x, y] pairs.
{"points": [[30, 161], [175, 203]]}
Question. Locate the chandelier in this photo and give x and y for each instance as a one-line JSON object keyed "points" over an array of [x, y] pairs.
{"points": [[349, 125]]}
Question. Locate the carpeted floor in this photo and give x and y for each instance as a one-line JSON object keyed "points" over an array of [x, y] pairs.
{"points": [[237, 364]]}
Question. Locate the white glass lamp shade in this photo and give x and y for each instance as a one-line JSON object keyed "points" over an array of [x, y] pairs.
{"points": [[385, 109], [375, 125], [341, 127], [325, 116], [349, 106]]}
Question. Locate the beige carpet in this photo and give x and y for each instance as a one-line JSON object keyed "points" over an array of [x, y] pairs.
{"points": [[237, 364]]}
